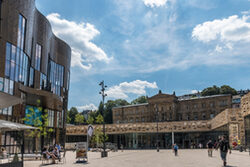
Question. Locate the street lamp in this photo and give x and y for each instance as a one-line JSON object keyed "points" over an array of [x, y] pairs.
{"points": [[102, 92], [157, 119]]}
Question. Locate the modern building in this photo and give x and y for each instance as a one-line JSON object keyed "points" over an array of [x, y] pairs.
{"points": [[34, 72], [166, 119]]}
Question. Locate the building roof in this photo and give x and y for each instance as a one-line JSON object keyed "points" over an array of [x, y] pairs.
{"points": [[205, 97]]}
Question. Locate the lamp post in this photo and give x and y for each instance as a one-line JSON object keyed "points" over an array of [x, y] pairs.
{"points": [[157, 127], [102, 92]]}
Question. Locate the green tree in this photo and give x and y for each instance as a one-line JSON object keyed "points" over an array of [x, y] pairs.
{"points": [[68, 119], [98, 137], [72, 114], [121, 102], [79, 119], [225, 89], [91, 119], [210, 91], [39, 119], [140, 100]]}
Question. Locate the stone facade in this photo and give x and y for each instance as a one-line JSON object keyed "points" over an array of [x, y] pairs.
{"points": [[166, 107]]}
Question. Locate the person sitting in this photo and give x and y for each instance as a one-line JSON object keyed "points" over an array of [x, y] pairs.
{"points": [[3, 153], [49, 155]]}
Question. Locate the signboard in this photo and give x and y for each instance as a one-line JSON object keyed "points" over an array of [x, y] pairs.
{"points": [[90, 130], [81, 150]]}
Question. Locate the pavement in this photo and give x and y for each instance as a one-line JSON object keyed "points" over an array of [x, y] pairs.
{"points": [[151, 158]]}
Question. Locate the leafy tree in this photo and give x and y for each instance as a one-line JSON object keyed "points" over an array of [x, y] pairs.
{"points": [[79, 119], [121, 102], [98, 137], [139, 100], [72, 114], [91, 119], [225, 89], [39, 119], [210, 91], [68, 119]]}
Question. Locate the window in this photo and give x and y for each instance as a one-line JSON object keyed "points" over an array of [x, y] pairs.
{"points": [[55, 77], [203, 105], [212, 104], [38, 54], [43, 81], [21, 32], [195, 116], [203, 116], [1, 84], [31, 79]]}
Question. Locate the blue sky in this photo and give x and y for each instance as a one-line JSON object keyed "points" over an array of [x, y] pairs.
{"points": [[141, 46]]}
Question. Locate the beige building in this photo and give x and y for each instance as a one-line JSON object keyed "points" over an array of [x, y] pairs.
{"points": [[185, 121], [165, 107]]}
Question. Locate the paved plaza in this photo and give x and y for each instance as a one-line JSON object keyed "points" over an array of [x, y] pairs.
{"points": [[150, 158]]}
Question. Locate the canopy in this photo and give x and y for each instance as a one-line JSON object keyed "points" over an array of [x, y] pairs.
{"points": [[12, 126]]}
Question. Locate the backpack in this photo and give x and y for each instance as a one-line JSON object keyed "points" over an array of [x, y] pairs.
{"points": [[175, 147]]}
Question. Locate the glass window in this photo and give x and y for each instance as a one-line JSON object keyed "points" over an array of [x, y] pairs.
{"points": [[12, 71], [5, 111], [38, 56], [11, 90], [6, 85], [43, 81], [21, 32], [1, 84], [8, 51], [13, 53], [10, 111], [7, 68], [31, 79]]}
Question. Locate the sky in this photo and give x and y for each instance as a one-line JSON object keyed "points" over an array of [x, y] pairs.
{"points": [[139, 47]]}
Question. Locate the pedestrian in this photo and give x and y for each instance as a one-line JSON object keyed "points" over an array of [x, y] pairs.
{"points": [[210, 147], [224, 147], [175, 149], [122, 147]]}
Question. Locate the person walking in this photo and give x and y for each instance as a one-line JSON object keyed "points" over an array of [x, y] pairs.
{"points": [[210, 147], [224, 147], [175, 148]]}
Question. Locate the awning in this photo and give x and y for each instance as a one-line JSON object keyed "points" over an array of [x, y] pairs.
{"points": [[7, 100], [12, 126]]}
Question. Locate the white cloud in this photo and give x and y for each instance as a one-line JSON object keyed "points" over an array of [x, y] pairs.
{"points": [[86, 107], [155, 3], [135, 87], [233, 29], [194, 91], [79, 36], [218, 48]]}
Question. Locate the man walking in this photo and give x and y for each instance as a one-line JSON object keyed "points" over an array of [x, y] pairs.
{"points": [[210, 147], [175, 148], [224, 147]]}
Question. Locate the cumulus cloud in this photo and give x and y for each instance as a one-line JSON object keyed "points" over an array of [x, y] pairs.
{"points": [[135, 87], [155, 3], [79, 36], [231, 29], [194, 91], [87, 107]]}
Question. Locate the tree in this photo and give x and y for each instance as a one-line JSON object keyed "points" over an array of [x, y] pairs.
{"points": [[140, 100], [72, 114], [225, 89], [210, 91], [98, 137], [79, 119], [68, 119], [121, 102], [91, 119], [38, 118]]}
